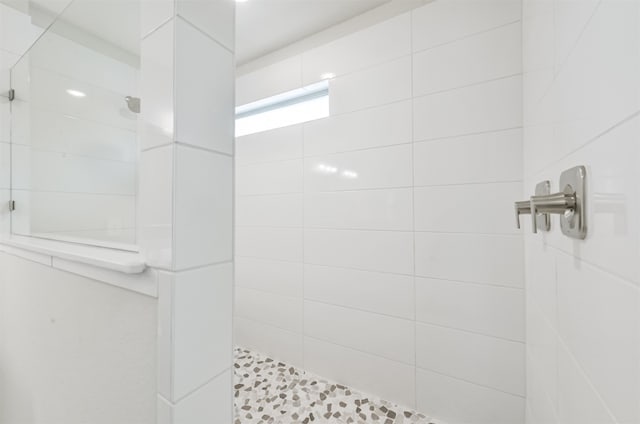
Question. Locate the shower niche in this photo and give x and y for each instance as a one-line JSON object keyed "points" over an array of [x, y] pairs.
{"points": [[74, 125]]}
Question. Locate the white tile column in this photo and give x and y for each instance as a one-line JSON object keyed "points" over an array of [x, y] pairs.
{"points": [[186, 201]]}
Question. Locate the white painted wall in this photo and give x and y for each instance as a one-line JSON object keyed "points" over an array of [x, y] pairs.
{"points": [[406, 281], [73, 350], [581, 103]]}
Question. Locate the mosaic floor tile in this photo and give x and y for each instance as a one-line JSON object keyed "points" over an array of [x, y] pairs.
{"points": [[271, 392]]}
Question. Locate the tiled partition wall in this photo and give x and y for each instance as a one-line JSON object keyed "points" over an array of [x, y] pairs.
{"points": [[186, 208], [581, 107], [399, 271]]}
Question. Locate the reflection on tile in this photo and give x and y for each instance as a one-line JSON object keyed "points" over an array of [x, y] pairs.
{"points": [[268, 391]]}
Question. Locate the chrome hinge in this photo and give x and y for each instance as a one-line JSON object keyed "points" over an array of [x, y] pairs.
{"points": [[12, 205], [12, 95]]}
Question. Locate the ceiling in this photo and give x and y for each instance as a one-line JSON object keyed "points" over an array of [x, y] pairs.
{"points": [[263, 26]]}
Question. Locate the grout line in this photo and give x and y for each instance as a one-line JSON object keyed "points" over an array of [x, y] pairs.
{"points": [[377, 230], [397, 361], [191, 392], [477, 333], [416, 322], [587, 143], [473, 84], [346, 190], [471, 382], [435, 46], [298, 262], [471, 134], [158, 27], [203, 32], [622, 279], [205, 149], [413, 212]]}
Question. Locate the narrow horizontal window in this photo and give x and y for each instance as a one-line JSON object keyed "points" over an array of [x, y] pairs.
{"points": [[290, 108]]}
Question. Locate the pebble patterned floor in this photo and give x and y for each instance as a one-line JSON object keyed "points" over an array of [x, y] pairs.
{"points": [[271, 392]]}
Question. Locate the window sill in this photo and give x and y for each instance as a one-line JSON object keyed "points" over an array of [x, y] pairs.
{"points": [[117, 267]]}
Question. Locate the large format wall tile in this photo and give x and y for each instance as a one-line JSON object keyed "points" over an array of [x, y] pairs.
{"points": [[489, 55], [394, 212], [490, 106], [387, 251]]}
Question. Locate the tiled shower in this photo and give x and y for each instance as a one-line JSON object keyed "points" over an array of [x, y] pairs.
{"points": [[353, 254], [377, 247], [374, 246]]}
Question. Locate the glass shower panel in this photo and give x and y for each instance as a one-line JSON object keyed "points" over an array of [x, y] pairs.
{"points": [[74, 148]]}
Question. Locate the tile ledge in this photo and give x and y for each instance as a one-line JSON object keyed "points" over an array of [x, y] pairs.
{"points": [[101, 257]]}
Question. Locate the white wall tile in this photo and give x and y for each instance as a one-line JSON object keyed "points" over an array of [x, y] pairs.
{"points": [[393, 381], [541, 409], [474, 208], [384, 251], [541, 276], [387, 294], [483, 360], [357, 232], [365, 209], [271, 276], [269, 243], [202, 312], [446, 21], [379, 85], [216, 18], [572, 18], [156, 206], [156, 87], [487, 258], [203, 115], [479, 108], [490, 310], [581, 334], [270, 178], [274, 79], [376, 44], [459, 402], [391, 338], [203, 208], [210, 403], [280, 311], [542, 353], [608, 352], [271, 210], [375, 127], [480, 158], [489, 55], [153, 14], [612, 240], [583, 85], [388, 167], [274, 342], [274, 145], [578, 402]]}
